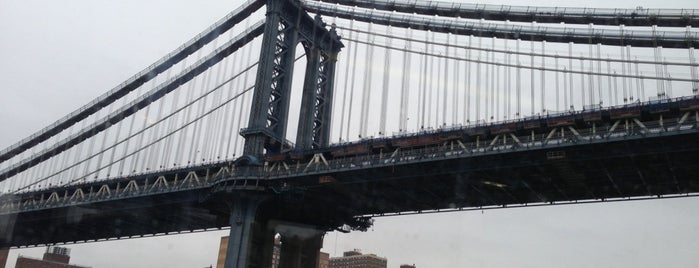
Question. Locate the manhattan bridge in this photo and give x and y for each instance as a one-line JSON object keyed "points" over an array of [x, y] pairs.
{"points": [[396, 106]]}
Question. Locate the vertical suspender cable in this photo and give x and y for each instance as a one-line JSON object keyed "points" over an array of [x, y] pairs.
{"points": [[384, 93], [142, 138], [693, 70], [351, 102], [532, 98], [201, 130], [438, 89], [616, 95], [104, 141], [486, 88], [570, 67], [239, 86], [543, 77], [181, 144], [497, 92], [628, 58], [423, 77], [455, 90], [225, 135], [518, 81], [467, 108], [218, 98], [155, 154], [366, 91], [599, 70], [565, 88], [446, 80], [640, 84], [668, 81], [492, 78], [623, 65], [478, 83], [661, 72], [612, 100], [350, 47], [507, 85], [170, 124], [405, 86], [582, 80], [430, 77], [244, 107], [237, 104], [90, 148], [558, 88], [591, 81]]}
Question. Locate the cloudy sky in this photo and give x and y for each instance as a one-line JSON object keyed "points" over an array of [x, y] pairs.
{"points": [[58, 55]]}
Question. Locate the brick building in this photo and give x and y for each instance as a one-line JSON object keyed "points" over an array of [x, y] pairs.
{"points": [[355, 259], [54, 257], [323, 260]]}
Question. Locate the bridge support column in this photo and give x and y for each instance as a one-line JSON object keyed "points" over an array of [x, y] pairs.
{"points": [[316, 103], [286, 26], [300, 245], [250, 244]]}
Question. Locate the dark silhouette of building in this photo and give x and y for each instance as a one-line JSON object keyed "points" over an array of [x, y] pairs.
{"points": [[223, 248], [54, 257], [355, 259]]}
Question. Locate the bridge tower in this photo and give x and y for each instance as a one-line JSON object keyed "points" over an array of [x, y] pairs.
{"points": [[287, 25], [255, 218]]}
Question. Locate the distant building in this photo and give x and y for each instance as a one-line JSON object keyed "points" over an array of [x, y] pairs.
{"points": [[3, 256], [355, 259], [54, 257], [276, 251], [323, 260], [223, 248], [407, 266]]}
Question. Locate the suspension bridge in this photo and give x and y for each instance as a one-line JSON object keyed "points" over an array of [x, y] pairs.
{"points": [[403, 107]]}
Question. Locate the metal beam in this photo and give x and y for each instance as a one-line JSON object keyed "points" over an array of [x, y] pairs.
{"points": [[573, 15], [638, 38]]}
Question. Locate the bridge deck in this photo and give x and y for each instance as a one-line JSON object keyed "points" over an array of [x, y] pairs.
{"points": [[643, 150]]}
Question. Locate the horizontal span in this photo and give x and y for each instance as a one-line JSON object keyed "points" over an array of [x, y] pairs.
{"points": [[614, 37], [138, 104], [135, 81], [573, 15]]}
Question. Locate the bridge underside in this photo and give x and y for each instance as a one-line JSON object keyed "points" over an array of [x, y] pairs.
{"points": [[651, 167], [124, 218], [172, 212], [633, 167]]}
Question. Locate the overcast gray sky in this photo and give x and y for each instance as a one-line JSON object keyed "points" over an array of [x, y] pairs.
{"points": [[58, 55]]}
